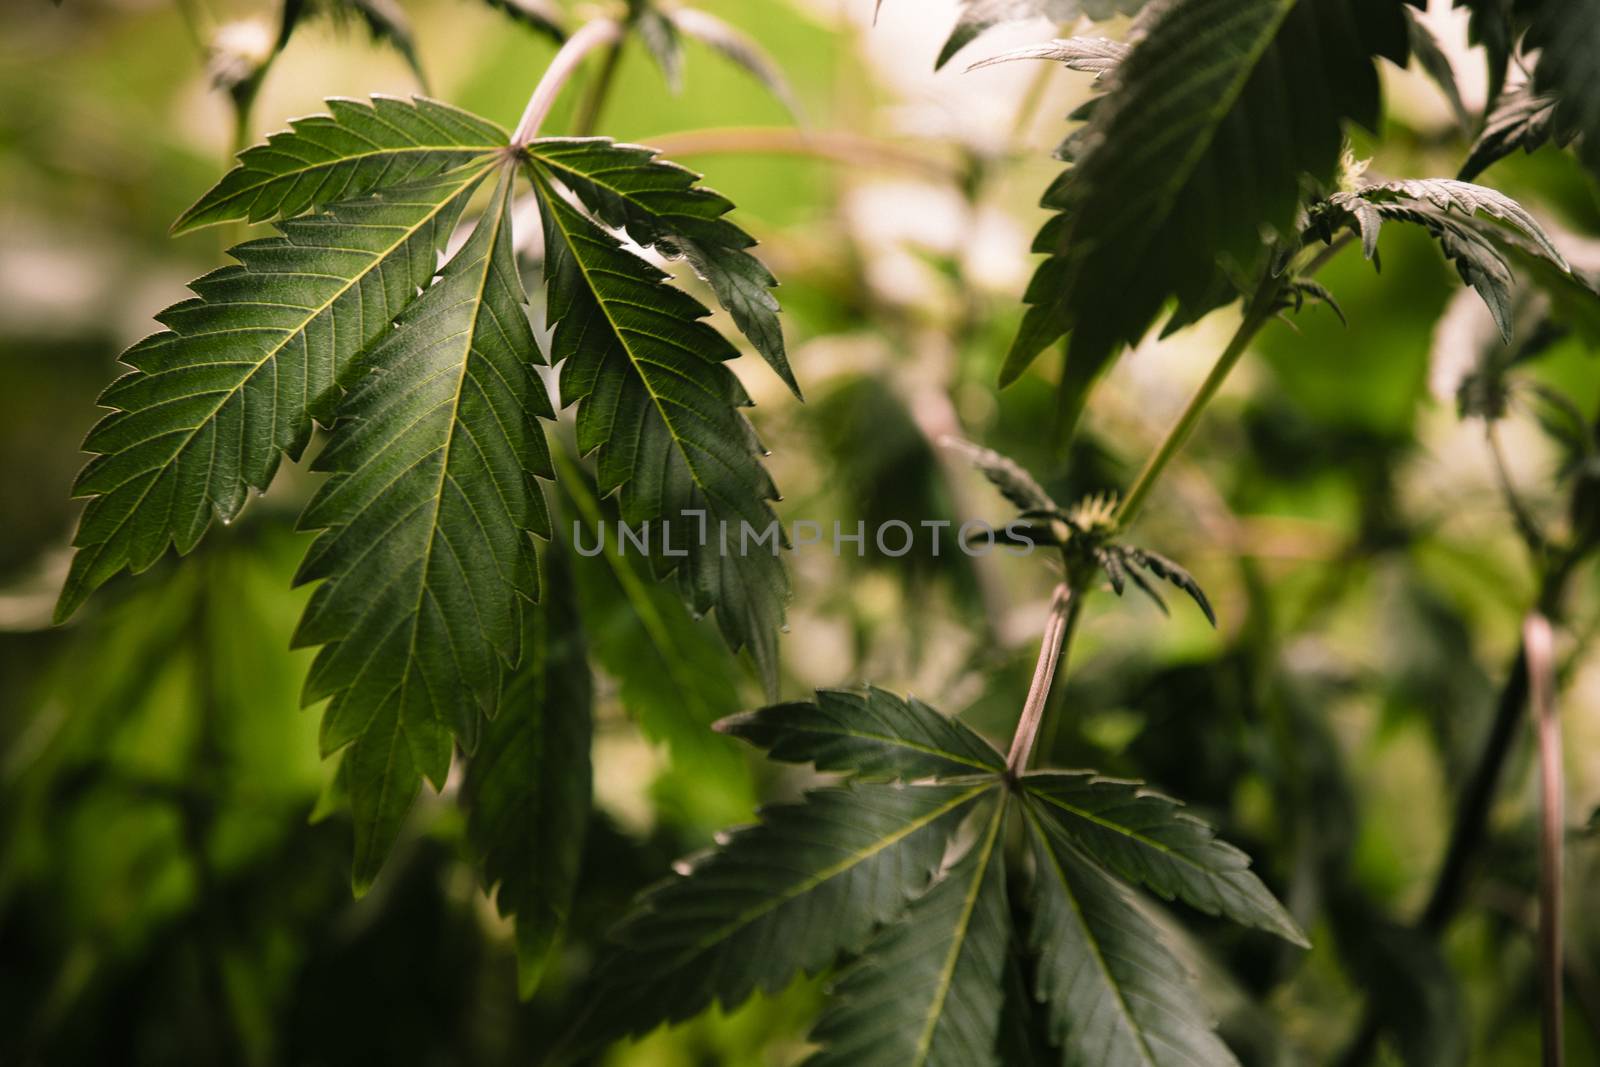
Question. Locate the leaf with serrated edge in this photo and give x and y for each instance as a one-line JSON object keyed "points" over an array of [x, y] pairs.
{"points": [[1005, 474], [927, 991], [1198, 147], [1115, 994], [661, 413], [235, 381], [424, 556], [526, 790], [867, 731], [661, 206], [357, 148], [810, 881], [1147, 838], [738, 48]]}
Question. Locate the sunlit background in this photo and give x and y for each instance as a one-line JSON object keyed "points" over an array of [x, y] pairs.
{"points": [[173, 865]]}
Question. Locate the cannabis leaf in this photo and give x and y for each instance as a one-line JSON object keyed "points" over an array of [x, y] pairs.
{"points": [[660, 410], [812, 880], [1200, 144], [869, 732], [424, 555], [738, 48], [1521, 119], [542, 16], [1115, 995], [1147, 839], [526, 790], [1566, 34], [908, 881], [357, 148], [1436, 64], [383, 19], [235, 381], [1006, 475], [660, 206], [979, 16], [927, 990], [1453, 212]]}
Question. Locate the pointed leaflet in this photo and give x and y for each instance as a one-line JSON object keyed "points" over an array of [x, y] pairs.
{"points": [[1148, 839], [385, 20], [1566, 34], [661, 207], [424, 555], [1200, 143], [1006, 475], [927, 992], [527, 788], [234, 382], [1089, 55], [980, 16], [1115, 995], [812, 880], [1521, 119], [1454, 212], [738, 48], [660, 410], [355, 149], [867, 731], [542, 16]]}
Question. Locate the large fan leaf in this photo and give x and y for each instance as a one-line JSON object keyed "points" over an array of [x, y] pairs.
{"points": [[867, 731], [1146, 838], [1199, 145], [660, 410], [527, 788], [660, 205], [810, 881], [235, 381], [357, 148], [927, 992], [1115, 994], [424, 555]]}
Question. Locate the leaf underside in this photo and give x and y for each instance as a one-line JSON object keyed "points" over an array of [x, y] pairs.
{"points": [[1199, 146]]}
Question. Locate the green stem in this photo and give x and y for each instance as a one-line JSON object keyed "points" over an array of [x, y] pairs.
{"points": [[1262, 307]]}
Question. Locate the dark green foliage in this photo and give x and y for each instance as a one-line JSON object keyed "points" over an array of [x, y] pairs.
{"points": [[1199, 145], [354, 149], [662, 413], [870, 732], [526, 789], [233, 385], [424, 555], [660, 206], [1521, 119], [1566, 34], [923, 865], [927, 990]]}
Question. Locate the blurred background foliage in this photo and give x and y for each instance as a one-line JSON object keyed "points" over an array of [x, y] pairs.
{"points": [[173, 861]]}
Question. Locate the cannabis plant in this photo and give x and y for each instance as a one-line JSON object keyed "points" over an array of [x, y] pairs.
{"points": [[471, 337]]}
